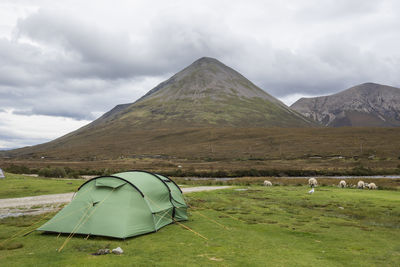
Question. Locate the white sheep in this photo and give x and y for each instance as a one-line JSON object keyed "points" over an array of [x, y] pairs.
{"points": [[267, 183], [312, 182], [372, 186], [342, 184], [360, 185]]}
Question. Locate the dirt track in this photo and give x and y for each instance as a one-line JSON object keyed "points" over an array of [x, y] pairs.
{"points": [[11, 207]]}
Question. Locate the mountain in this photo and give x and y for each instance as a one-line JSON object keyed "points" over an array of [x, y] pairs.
{"points": [[368, 104], [206, 94]]}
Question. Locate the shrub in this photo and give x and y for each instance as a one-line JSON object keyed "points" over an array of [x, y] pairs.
{"points": [[57, 172], [361, 170], [106, 172], [73, 174], [18, 169], [45, 172]]}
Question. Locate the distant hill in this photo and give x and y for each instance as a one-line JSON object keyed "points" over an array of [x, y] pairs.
{"points": [[206, 94], [368, 104]]}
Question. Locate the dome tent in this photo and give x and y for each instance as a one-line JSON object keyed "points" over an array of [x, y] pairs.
{"points": [[121, 205]]}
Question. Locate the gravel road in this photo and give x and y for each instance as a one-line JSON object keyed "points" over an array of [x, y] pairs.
{"points": [[12, 207]]}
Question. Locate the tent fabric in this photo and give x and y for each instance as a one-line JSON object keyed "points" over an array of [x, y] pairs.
{"points": [[2, 174], [121, 205]]}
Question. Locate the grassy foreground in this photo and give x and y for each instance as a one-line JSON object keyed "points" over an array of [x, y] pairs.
{"points": [[16, 185], [276, 226]]}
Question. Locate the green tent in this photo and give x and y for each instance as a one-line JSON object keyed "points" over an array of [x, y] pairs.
{"points": [[121, 205]]}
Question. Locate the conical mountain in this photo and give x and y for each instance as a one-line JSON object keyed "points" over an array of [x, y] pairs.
{"points": [[367, 104], [206, 93]]}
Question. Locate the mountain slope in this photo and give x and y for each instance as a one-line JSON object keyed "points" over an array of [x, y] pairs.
{"points": [[206, 94], [367, 104]]}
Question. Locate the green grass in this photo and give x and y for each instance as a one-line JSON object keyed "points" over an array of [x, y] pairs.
{"points": [[275, 226], [382, 183], [16, 185]]}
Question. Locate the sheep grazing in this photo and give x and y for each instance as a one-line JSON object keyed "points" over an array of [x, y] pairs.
{"points": [[342, 184], [267, 183], [372, 186], [312, 182], [360, 185]]}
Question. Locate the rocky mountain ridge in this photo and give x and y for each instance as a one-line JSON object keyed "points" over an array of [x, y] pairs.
{"points": [[368, 104]]}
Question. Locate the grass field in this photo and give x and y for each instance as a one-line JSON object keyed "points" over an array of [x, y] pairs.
{"points": [[382, 183], [16, 185], [259, 226]]}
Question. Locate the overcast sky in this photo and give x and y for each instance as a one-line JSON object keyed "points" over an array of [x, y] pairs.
{"points": [[64, 63]]}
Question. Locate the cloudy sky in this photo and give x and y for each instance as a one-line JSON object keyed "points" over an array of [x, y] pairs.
{"points": [[65, 62]]}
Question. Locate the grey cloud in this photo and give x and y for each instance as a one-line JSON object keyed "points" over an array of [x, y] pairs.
{"points": [[112, 55], [74, 61], [78, 114], [74, 69], [12, 137], [95, 53], [22, 112], [80, 99], [326, 67], [337, 9], [54, 110], [21, 64], [13, 142]]}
